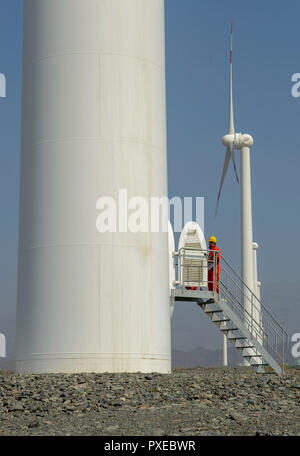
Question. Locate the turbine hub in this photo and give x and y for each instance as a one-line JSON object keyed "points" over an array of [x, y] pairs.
{"points": [[228, 139], [235, 138]]}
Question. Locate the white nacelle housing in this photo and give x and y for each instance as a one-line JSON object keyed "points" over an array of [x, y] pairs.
{"points": [[192, 272]]}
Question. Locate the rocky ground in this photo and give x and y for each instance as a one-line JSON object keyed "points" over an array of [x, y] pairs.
{"points": [[201, 401]]}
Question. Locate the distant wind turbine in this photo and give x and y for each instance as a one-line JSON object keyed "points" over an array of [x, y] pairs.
{"points": [[242, 142], [229, 139]]}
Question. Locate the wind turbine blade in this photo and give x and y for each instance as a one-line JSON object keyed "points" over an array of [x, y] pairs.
{"points": [[233, 161], [231, 121], [225, 167]]}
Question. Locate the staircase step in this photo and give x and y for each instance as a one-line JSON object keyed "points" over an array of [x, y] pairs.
{"points": [[230, 329], [206, 307], [252, 356], [213, 311], [227, 318]]}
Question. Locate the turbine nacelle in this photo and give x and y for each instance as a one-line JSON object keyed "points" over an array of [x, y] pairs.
{"points": [[238, 140], [245, 141]]}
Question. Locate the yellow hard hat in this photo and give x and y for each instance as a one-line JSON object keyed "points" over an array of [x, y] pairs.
{"points": [[212, 239]]}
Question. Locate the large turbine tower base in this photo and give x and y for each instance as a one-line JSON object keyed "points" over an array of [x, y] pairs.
{"points": [[94, 122]]}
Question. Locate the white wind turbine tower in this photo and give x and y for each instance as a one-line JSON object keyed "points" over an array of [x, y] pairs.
{"points": [[94, 122], [242, 142]]}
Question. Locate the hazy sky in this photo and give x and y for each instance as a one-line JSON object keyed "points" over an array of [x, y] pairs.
{"points": [[266, 55]]}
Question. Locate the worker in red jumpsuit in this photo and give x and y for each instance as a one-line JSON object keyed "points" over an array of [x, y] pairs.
{"points": [[213, 264]]}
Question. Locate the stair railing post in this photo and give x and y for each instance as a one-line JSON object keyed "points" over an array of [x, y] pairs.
{"points": [[251, 315], [180, 268], [214, 271], [189, 271], [283, 353], [275, 341], [225, 361]]}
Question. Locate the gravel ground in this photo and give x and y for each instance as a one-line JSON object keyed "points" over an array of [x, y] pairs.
{"points": [[188, 402]]}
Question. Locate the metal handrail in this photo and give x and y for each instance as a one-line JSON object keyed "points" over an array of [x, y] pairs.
{"points": [[258, 300], [281, 337], [240, 309], [258, 310], [241, 290]]}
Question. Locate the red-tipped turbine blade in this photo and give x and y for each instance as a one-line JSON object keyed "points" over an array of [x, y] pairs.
{"points": [[231, 121]]}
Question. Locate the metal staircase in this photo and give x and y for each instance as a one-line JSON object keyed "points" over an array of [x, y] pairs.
{"points": [[235, 310]]}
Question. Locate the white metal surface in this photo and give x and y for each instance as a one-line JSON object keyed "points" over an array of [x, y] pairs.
{"points": [[94, 121], [225, 357], [255, 283], [246, 225], [246, 219], [256, 288], [249, 259], [192, 237]]}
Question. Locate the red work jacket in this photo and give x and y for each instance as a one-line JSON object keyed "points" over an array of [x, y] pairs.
{"points": [[216, 258]]}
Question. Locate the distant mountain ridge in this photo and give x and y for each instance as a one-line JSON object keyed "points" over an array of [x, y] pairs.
{"points": [[194, 358], [205, 357]]}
